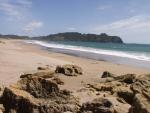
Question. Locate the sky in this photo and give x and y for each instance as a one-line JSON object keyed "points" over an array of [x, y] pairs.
{"points": [[129, 19]]}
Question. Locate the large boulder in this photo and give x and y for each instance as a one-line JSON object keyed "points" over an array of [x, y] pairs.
{"points": [[19, 101], [69, 70], [38, 95], [38, 87], [99, 105]]}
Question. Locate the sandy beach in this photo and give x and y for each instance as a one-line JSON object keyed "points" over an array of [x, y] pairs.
{"points": [[17, 57]]}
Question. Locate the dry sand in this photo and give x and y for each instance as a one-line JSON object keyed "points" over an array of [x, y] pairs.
{"points": [[17, 57]]}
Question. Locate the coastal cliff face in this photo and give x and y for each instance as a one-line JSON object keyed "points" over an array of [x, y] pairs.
{"points": [[75, 36]]}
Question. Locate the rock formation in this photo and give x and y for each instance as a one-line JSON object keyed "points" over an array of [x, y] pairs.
{"points": [[42, 92], [69, 70]]}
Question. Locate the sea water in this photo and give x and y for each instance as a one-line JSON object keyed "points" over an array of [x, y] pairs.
{"points": [[129, 54]]}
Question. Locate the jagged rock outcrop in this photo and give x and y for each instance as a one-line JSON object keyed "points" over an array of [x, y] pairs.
{"points": [[69, 70], [42, 92], [37, 94], [134, 90]]}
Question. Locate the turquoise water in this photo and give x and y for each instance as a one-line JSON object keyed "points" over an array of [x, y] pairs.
{"points": [[110, 46], [132, 54]]}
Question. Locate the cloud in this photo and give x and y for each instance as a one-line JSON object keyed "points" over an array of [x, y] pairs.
{"points": [[32, 26], [132, 23], [15, 9], [133, 29]]}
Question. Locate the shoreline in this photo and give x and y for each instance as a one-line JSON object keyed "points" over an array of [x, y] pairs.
{"points": [[113, 56], [18, 57]]}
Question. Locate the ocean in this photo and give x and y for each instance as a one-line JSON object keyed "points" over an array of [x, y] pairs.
{"points": [[129, 54]]}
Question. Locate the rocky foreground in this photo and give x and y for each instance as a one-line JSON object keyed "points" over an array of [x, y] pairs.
{"points": [[42, 92]]}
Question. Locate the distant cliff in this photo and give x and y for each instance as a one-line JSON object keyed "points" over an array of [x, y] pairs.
{"points": [[72, 36], [75, 36], [14, 37]]}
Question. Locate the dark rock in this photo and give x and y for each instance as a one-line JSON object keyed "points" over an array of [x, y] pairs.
{"points": [[128, 78], [125, 93], [107, 74], [43, 68], [100, 105], [58, 81], [69, 70]]}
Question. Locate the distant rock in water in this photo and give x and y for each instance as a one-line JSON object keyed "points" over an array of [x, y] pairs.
{"points": [[75, 36]]}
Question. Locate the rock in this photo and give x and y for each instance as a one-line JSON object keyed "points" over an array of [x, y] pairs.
{"points": [[69, 70], [38, 87], [38, 95], [58, 81], [141, 89], [107, 74], [99, 105], [141, 84], [43, 73], [43, 68], [16, 100], [102, 87], [128, 78], [124, 92], [140, 104], [108, 86]]}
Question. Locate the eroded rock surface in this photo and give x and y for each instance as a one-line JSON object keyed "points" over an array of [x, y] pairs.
{"points": [[141, 89], [69, 70], [37, 94], [42, 92], [99, 105]]}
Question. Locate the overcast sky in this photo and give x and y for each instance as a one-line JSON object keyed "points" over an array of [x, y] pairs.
{"points": [[129, 19]]}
